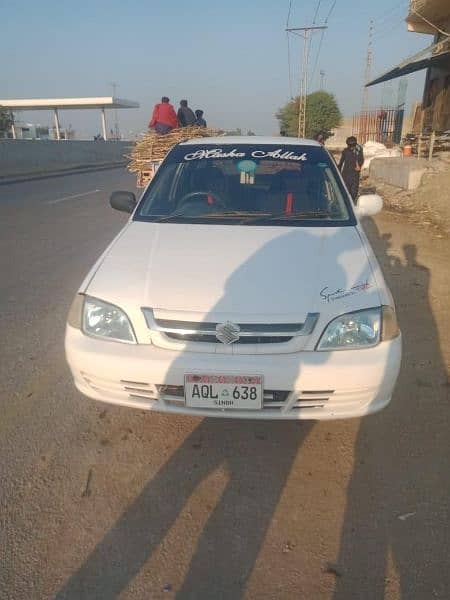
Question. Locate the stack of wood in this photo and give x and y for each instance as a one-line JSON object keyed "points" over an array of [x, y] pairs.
{"points": [[148, 152], [427, 144]]}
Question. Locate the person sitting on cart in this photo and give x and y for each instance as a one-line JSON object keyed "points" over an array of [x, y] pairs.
{"points": [[200, 121], [164, 118], [186, 115]]}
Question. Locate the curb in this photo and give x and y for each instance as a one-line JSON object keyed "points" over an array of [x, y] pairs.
{"points": [[79, 169]]}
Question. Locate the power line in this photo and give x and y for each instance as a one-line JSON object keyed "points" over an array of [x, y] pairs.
{"points": [[317, 10], [384, 15], [322, 35], [330, 11], [288, 39], [321, 39], [383, 32], [289, 63], [399, 12], [289, 14]]}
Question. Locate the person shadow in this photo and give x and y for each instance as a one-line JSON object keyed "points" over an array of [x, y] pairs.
{"points": [[395, 536], [258, 455]]}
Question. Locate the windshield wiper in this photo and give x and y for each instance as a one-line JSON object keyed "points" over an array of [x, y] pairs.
{"points": [[235, 213], [216, 215], [248, 217], [173, 216], [294, 216]]}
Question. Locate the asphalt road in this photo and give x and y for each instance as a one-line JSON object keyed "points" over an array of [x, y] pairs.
{"points": [[104, 502]]}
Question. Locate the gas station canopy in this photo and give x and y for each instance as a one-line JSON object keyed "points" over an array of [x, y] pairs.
{"points": [[69, 104]]}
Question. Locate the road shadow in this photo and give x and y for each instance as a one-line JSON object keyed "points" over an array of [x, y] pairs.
{"points": [[397, 513], [258, 455], [258, 458]]}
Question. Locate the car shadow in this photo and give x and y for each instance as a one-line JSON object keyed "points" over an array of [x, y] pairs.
{"points": [[258, 456], [396, 516]]}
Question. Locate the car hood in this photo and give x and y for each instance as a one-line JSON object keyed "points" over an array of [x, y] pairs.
{"points": [[251, 273]]}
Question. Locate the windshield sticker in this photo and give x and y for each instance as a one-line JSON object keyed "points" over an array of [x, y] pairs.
{"points": [[214, 153], [278, 154], [331, 296], [247, 166]]}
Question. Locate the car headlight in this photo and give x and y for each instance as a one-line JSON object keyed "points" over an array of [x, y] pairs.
{"points": [[360, 329], [105, 320]]}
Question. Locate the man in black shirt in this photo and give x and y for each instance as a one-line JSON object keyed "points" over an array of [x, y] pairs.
{"points": [[185, 115], [350, 165], [200, 121]]}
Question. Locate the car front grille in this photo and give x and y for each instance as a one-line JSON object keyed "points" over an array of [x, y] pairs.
{"points": [[211, 339], [148, 395], [312, 399], [249, 333], [168, 394]]}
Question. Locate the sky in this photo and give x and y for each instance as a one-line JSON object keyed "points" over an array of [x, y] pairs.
{"points": [[227, 57]]}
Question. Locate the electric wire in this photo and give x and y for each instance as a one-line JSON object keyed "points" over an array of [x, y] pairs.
{"points": [[289, 48], [322, 35]]}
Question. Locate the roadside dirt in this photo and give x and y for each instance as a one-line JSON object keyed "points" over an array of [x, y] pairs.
{"points": [[428, 205]]}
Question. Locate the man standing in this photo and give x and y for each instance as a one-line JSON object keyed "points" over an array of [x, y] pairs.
{"points": [[185, 115], [350, 165], [164, 118], [200, 121]]}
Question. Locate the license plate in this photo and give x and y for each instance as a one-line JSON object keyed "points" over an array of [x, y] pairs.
{"points": [[224, 391]]}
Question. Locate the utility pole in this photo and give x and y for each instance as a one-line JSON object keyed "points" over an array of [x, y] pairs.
{"points": [[322, 79], [368, 70], [305, 33], [114, 86], [364, 117]]}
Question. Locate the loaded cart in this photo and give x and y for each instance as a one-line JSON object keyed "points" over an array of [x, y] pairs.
{"points": [[149, 152], [147, 173]]}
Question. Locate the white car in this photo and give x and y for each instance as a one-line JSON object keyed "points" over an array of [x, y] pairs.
{"points": [[243, 286]]}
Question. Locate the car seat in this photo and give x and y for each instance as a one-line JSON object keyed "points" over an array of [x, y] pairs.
{"points": [[302, 190], [209, 180]]}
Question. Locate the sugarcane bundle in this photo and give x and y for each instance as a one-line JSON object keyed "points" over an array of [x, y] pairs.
{"points": [[153, 147]]}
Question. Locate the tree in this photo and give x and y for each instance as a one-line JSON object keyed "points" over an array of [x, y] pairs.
{"points": [[322, 115], [6, 120]]}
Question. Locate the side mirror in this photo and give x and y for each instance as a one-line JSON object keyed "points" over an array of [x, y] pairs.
{"points": [[369, 205], [124, 201]]}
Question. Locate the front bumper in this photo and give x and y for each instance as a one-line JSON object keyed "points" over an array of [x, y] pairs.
{"points": [[320, 385]]}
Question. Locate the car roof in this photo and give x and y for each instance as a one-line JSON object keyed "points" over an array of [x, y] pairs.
{"points": [[253, 140]]}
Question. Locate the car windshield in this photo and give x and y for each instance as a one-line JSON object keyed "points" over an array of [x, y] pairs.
{"points": [[246, 184]]}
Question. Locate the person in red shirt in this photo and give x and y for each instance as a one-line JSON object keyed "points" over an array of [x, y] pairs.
{"points": [[164, 117]]}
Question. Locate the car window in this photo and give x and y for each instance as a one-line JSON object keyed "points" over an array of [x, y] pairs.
{"points": [[246, 184]]}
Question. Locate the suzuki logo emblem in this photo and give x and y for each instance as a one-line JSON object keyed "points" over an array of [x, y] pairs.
{"points": [[227, 333]]}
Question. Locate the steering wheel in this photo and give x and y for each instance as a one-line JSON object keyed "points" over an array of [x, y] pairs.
{"points": [[188, 197]]}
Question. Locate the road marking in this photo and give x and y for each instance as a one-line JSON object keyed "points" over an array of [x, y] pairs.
{"points": [[71, 197]]}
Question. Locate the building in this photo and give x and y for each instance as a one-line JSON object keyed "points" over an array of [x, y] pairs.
{"points": [[57, 104], [430, 17], [30, 131]]}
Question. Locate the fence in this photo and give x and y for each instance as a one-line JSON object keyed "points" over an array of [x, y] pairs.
{"points": [[384, 125]]}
